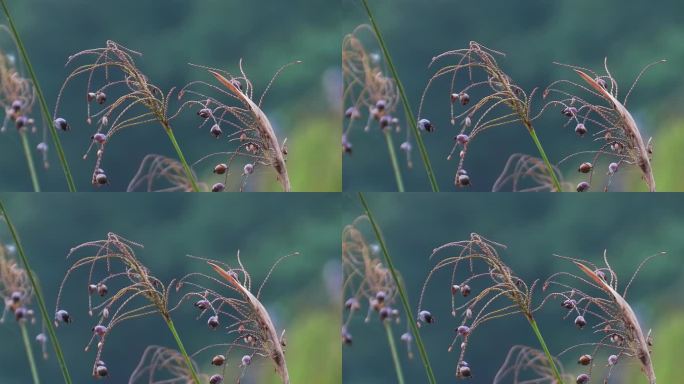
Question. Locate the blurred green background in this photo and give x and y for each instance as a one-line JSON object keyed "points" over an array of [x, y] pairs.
{"points": [[533, 34], [534, 227], [302, 295], [303, 105]]}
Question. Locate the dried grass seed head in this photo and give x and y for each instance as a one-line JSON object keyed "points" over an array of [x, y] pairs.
{"points": [[529, 365], [228, 300], [158, 173], [114, 263], [593, 297], [230, 110], [161, 365], [593, 105], [525, 173]]}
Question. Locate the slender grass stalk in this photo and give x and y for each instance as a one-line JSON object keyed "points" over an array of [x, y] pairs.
{"points": [[549, 357], [549, 168], [181, 349], [47, 319], [410, 118], [186, 167], [402, 292], [395, 355], [29, 161], [29, 353], [41, 100], [395, 163]]}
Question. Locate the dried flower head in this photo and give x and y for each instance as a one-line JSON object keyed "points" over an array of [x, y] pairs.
{"points": [[232, 108], [161, 365], [504, 294], [595, 107], [125, 96], [234, 307], [476, 71], [367, 88], [597, 302], [367, 280], [525, 173], [528, 365], [15, 287], [114, 263], [159, 173]]}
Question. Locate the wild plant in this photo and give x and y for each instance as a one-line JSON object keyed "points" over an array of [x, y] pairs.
{"points": [[17, 294], [475, 69], [529, 365], [593, 298], [158, 173], [125, 97], [371, 96], [525, 173], [368, 281], [114, 262], [234, 108], [233, 306], [504, 294], [161, 365], [595, 107]]}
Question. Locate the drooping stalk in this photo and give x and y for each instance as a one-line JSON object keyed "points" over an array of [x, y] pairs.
{"points": [[410, 118], [549, 357], [29, 160], [393, 158], [29, 353], [181, 158], [47, 319], [181, 349], [402, 292], [393, 350], [41, 100]]}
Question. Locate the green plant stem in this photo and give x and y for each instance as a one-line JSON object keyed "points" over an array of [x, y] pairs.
{"points": [[410, 118], [186, 167], [395, 355], [549, 357], [41, 99], [549, 167], [29, 353], [393, 158], [181, 349], [29, 160], [47, 319], [402, 292]]}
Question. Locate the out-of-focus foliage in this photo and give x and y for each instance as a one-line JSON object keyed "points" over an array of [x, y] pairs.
{"points": [[533, 34], [171, 34], [534, 227], [301, 294]]}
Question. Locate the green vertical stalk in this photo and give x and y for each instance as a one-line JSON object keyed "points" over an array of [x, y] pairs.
{"points": [[410, 118], [186, 167], [393, 349], [29, 160], [47, 319], [549, 357], [393, 158], [29, 352], [41, 99], [402, 292], [549, 168], [181, 349]]}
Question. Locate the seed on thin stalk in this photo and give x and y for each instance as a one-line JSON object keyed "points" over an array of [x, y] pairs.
{"points": [[380, 105], [585, 168], [216, 131], [16, 296], [425, 125], [204, 113], [582, 187], [464, 371], [580, 129], [90, 96], [346, 338], [385, 313], [246, 360], [248, 169], [463, 330], [220, 169], [352, 113], [352, 304], [102, 290], [465, 290], [61, 124], [100, 330], [454, 97], [462, 139], [41, 338], [92, 288], [612, 168], [570, 111], [20, 313], [216, 379], [100, 97], [42, 147], [569, 304], [218, 360], [218, 187], [463, 180], [455, 289], [582, 379], [16, 105], [385, 121], [101, 179], [405, 146], [213, 322], [101, 371], [464, 98], [584, 360], [425, 317], [406, 337], [202, 304], [62, 316], [612, 360], [22, 121], [380, 296], [580, 322], [99, 138]]}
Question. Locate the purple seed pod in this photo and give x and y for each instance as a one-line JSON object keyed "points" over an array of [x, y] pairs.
{"points": [[101, 371], [583, 186], [216, 379], [213, 322], [612, 168], [248, 169], [100, 138], [580, 129], [463, 330], [204, 113], [425, 317], [62, 316], [425, 125], [16, 105], [462, 139], [612, 360], [100, 97], [216, 131], [380, 105], [352, 113], [465, 290], [580, 322], [464, 98], [585, 168], [582, 379], [100, 330], [101, 179], [101, 288], [569, 111], [61, 124], [202, 304], [218, 187], [405, 146]]}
